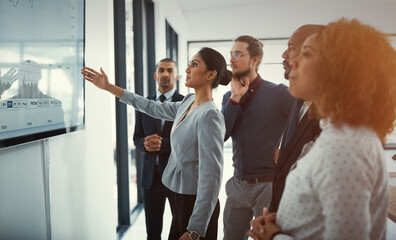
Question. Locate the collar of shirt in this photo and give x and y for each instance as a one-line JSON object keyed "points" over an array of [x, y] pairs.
{"points": [[253, 86], [304, 109], [168, 94], [325, 123]]}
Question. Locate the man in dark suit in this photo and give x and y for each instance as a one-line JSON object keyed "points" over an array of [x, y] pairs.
{"points": [[152, 138], [300, 128]]}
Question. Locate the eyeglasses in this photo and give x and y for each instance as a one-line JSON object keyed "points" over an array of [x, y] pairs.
{"points": [[237, 55]]}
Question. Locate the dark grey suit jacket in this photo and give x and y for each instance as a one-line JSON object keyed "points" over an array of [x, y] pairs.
{"points": [[145, 126], [306, 131]]}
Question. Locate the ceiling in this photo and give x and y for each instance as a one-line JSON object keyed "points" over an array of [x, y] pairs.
{"points": [[198, 5]]}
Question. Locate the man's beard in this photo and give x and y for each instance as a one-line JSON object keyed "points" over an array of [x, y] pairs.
{"points": [[239, 75], [287, 70], [287, 74], [165, 85]]}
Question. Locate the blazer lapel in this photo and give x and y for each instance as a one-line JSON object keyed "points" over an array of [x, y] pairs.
{"points": [[300, 129], [282, 140], [167, 125], [294, 120], [183, 110]]}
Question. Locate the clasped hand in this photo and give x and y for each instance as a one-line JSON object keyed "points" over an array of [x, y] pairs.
{"points": [[152, 143], [263, 227], [185, 236]]}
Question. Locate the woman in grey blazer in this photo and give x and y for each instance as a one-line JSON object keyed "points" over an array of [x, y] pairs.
{"points": [[195, 167]]}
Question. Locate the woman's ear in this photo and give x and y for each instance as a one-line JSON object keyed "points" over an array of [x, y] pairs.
{"points": [[212, 74]]}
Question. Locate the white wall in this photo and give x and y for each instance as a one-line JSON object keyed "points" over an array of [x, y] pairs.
{"points": [[278, 19], [270, 19], [169, 10], [81, 163], [21, 193]]}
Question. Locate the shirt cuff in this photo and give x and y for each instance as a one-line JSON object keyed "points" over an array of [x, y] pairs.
{"points": [[233, 103], [123, 97]]}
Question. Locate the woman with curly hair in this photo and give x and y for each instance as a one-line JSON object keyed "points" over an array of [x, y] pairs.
{"points": [[338, 189]]}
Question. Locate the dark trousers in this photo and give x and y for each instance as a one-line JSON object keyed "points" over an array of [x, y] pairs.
{"points": [[184, 205], [154, 206]]}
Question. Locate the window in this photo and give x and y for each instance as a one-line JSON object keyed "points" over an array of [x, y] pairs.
{"points": [[130, 86]]}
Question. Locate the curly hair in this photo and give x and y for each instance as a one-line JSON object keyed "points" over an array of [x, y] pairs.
{"points": [[357, 83]]}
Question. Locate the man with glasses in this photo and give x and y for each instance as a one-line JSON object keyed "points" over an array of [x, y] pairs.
{"points": [[255, 113]]}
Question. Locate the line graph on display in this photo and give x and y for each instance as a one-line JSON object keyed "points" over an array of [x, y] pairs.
{"points": [[16, 2]]}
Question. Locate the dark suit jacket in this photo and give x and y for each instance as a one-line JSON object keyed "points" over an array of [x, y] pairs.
{"points": [[145, 126], [305, 131]]}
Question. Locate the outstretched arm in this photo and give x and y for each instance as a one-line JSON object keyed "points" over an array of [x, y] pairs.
{"points": [[101, 81], [166, 110]]}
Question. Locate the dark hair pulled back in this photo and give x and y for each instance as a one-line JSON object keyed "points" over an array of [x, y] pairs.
{"points": [[215, 61]]}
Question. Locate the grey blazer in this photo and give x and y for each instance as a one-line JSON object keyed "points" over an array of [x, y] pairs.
{"points": [[195, 165]]}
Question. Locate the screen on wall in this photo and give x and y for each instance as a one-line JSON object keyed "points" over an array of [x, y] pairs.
{"points": [[41, 54]]}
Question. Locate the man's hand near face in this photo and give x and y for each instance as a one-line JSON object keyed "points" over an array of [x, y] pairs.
{"points": [[239, 87]]}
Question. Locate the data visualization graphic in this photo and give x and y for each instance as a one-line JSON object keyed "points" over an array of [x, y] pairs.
{"points": [[42, 52], [16, 2]]}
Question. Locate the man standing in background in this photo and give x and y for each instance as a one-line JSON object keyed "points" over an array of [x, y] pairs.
{"points": [[152, 138], [255, 113]]}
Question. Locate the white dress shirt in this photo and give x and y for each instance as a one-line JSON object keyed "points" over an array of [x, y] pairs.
{"points": [[338, 189], [304, 110]]}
